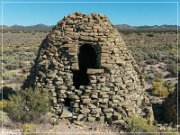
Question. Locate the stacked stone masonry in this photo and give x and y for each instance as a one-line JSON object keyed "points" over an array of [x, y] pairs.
{"points": [[115, 89]]}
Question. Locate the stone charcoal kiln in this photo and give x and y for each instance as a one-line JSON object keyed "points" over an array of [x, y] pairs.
{"points": [[85, 66]]}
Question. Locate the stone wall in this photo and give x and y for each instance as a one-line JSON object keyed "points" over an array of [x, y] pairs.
{"points": [[116, 89]]}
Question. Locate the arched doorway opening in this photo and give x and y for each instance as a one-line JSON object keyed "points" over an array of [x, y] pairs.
{"points": [[89, 57]]}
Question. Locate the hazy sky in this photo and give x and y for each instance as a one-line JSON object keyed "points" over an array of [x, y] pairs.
{"points": [[118, 13]]}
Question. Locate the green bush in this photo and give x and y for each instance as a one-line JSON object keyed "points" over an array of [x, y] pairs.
{"points": [[159, 89], [28, 106], [139, 124], [29, 129], [169, 85], [8, 75]]}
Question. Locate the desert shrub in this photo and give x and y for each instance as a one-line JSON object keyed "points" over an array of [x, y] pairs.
{"points": [[11, 66], [150, 35], [138, 56], [28, 106], [173, 69], [8, 75], [158, 88], [161, 88], [157, 74], [169, 85], [3, 104], [151, 61], [29, 129], [158, 80], [12, 76], [139, 124], [146, 56], [159, 56]]}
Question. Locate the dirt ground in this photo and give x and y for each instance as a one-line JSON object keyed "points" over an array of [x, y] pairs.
{"points": [[64, 128]]}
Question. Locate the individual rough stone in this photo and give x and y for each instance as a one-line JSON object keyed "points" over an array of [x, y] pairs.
{"points": [[81, 117], [94, 71], [85, 111], [75, 66], [66, 113], [53, 120], [91, 119]]}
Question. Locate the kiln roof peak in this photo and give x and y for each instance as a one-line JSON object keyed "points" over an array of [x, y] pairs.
{"points": [[81, 17]]}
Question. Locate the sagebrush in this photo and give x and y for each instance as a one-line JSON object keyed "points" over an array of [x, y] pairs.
{"points": [[28, 106]]}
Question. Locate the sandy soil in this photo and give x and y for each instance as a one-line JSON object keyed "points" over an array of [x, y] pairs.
{"points": [[66, 128]]}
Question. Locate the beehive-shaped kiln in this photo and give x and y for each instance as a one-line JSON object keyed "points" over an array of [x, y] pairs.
{"points": [[85, 65]]}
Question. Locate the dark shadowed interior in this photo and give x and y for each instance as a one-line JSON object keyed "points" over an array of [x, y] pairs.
{"points": [[88, 58], [67, 102]]}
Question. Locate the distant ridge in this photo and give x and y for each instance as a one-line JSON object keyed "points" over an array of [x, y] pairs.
{"points": [[38, 27], [146, 27], [120, 27]]}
